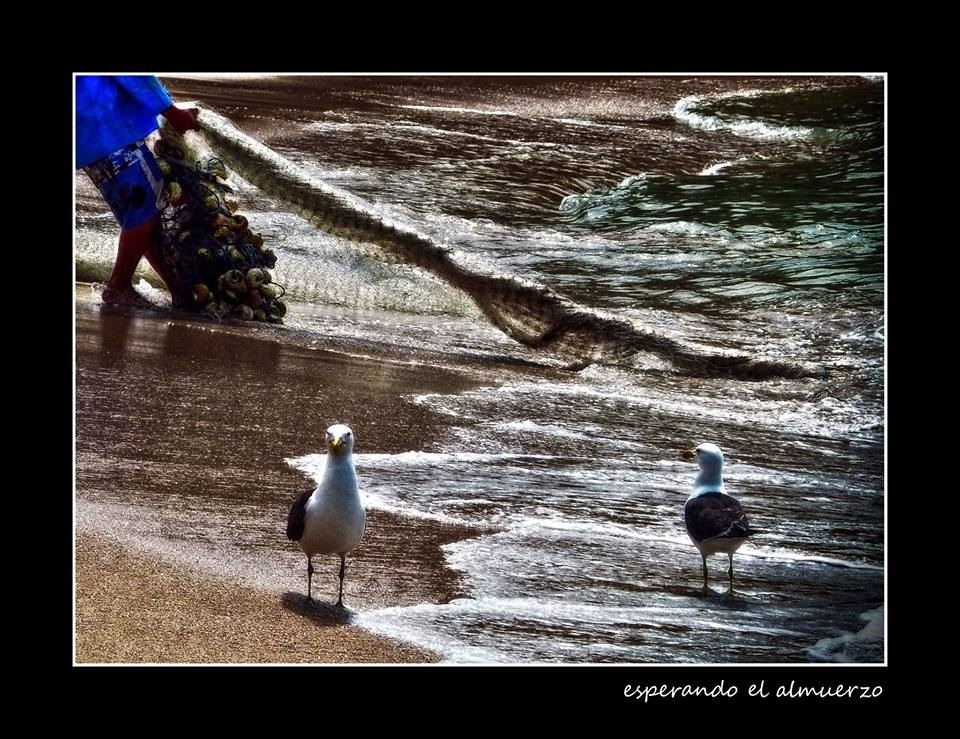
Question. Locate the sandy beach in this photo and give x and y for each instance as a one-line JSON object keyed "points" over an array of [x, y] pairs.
{"points": [[133, 608], [182, 493]]}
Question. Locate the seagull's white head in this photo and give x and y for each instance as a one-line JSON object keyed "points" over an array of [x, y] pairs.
{"points": [[710, 477], [340, 439]]}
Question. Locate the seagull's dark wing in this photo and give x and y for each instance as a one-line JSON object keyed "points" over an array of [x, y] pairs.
{"points": [[297, 513], [715, 514]]}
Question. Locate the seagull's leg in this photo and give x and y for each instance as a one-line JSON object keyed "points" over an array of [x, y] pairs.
{"points": [[309, 577], [343, 572], [704, 556]]}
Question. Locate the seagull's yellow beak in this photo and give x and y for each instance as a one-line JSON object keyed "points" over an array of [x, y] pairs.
{"points": [[335, 443], [688, 455]]}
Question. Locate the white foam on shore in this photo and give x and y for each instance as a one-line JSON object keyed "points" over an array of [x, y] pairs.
{"points": [[373, 501], [685, 111], [414, 624], [826, 417], [867, 645], [713, 169], [812, 558], [559, 526], [313, 464], [424, 625], [153, 294], [582, 433], [632, 180], [461, 557]]}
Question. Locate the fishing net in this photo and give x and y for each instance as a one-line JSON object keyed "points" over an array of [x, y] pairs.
{"points": [[532, 314], [217, 264]]}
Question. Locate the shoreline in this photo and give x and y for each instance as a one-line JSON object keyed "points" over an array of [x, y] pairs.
{"points": [[182, 489]]}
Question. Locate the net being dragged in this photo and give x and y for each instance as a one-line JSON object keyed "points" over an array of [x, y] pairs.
{"points": [[530, 313], [215, 263]]}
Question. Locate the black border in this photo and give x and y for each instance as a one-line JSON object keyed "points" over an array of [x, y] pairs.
{"points": [[310, 692]]}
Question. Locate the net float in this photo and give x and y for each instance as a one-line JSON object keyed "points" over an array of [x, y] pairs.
{"points": [[268, 291], [255, 277], [233, 279], [201, 293]]}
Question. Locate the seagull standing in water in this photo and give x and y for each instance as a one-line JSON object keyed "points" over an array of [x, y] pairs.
{"points": [[715, 521], [330, 519]]}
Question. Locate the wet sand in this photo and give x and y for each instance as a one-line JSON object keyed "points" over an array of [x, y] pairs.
{"points": [[182, 492]]}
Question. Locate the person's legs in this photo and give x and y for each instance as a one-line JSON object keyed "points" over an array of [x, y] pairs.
{"points": [[131, 183], [134, 242], [154, 255]]}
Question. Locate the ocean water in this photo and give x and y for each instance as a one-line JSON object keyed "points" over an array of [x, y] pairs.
{"points": [[734, 215]]}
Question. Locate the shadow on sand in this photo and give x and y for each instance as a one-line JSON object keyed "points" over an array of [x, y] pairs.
{"points": [[324, 614]]}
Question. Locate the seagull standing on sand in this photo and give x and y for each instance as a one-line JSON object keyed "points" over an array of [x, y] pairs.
{"points": [[715, 521], [330, 519]]}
